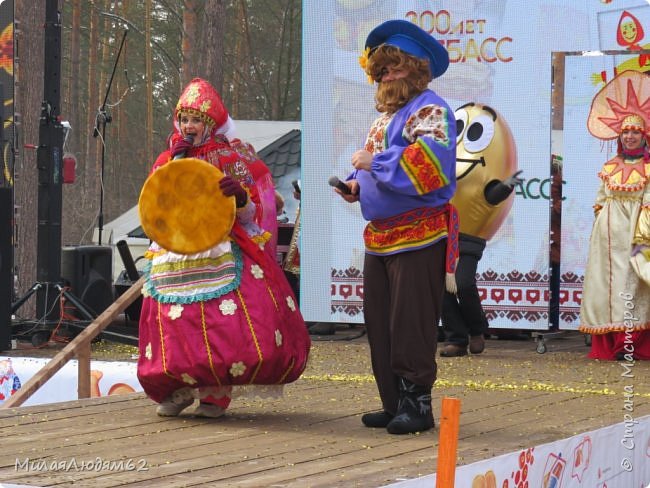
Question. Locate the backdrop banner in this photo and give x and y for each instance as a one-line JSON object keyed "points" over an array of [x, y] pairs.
{"points": [[106, 378], [501, 56], [612, 456]]}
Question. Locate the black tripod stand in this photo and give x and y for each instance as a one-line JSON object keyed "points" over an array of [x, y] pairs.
{"points": [[60, 291]]}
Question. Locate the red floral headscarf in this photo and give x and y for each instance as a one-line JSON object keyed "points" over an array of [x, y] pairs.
{"points": [[200, 98]]}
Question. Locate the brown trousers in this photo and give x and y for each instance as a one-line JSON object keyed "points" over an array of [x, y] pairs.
{"points": [[402, 305]]}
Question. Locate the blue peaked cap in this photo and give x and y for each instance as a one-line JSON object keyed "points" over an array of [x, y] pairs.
{"points": [[411, 39]]}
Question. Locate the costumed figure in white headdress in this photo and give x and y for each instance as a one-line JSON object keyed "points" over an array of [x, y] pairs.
{"points": [[616, 298]]}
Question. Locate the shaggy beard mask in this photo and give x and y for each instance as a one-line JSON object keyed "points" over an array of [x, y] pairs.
{"points": [[393, 95]]}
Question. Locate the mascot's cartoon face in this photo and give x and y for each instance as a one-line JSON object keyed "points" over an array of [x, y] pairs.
{"points": [[630, 30], [485, 152]]}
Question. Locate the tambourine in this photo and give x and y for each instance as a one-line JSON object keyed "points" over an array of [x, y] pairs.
{"points": [[182, 207]]}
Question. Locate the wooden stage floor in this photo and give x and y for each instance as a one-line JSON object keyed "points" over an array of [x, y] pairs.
{"points": [[512, 398]]}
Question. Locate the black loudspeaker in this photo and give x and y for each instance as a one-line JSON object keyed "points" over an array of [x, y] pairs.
{"points": [[87, 270], [6, 266]]}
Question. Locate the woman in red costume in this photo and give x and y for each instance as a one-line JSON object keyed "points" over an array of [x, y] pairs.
{"points": [[223, 322]]}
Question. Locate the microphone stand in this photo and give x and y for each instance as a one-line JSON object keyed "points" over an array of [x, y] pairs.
{"points": [[102, 119]]}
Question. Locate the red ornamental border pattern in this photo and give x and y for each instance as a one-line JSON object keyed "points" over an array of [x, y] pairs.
{"points": [[515, 296], [346, 289]]}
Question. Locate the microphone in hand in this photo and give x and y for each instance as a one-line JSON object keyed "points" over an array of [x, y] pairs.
{"points": [[336, 183], [180, 147]]}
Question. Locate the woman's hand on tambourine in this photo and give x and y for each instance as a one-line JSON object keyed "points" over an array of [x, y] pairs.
{"points": [[232, 188]]}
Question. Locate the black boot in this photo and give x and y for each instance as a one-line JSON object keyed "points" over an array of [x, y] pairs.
{"points": [[413, 410], [377, 419]]}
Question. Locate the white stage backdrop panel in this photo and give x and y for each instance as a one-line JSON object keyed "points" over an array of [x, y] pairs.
{"points": [[500, 56]]}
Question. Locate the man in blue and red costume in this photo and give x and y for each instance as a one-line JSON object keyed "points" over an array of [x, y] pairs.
{"points": [[403, 179]]}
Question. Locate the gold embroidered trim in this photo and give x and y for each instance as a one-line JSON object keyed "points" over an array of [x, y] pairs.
{"points": [[286, 373], [162, 342], [204, 329], [604, 329], [624, 198], [257, 344]]}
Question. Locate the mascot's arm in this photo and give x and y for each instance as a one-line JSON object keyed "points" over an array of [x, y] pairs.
{"points": [[497, 191]]}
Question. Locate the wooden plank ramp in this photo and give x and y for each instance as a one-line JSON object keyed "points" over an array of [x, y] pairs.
{"points": [[313, 437]]}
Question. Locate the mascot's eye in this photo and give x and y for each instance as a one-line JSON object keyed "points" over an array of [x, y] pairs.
{"points": [[461, 123], [479, 134]]}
